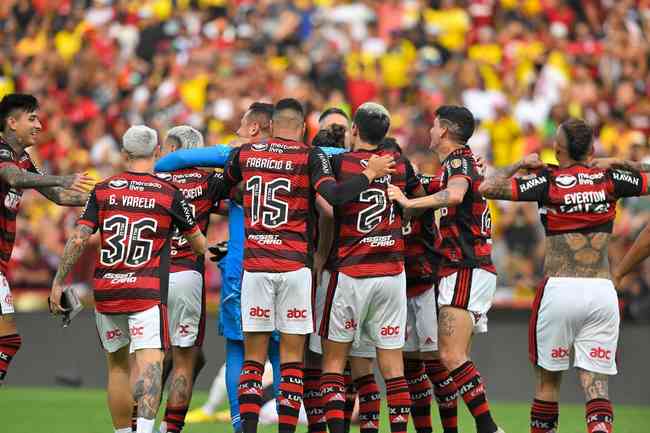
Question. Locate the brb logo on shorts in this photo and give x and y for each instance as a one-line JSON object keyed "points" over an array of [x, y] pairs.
{"points": [[559, 353], [113, 333], [137, 331], [259, 313], [601, 354], [389, 331], [295, 313]]}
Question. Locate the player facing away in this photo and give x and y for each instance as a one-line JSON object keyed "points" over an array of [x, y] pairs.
{"points": [[576, 307], [136, 214], [281, 176], [467, 275], [202, 191], [366, 292], [19, 129], [335, 132]]}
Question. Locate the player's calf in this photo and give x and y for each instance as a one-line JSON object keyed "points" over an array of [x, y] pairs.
{"points": [[148, 387], [446, 392], [421, 392], [9, 346], [598, 411], [180, 388]]}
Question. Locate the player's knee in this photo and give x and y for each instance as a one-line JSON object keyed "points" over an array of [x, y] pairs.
{"points": [[452, 358]]}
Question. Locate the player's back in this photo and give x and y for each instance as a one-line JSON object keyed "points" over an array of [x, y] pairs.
{"points": [[465, 230], [202, 191], [278, 204], [368, 235], [133, 216]]}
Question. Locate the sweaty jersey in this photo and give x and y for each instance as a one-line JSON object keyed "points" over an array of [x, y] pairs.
{"points": [[465, 230], [10, 202], [578, 199], [421, 259], [368, 239], [280, 180], [202, 192], [136, 214]]}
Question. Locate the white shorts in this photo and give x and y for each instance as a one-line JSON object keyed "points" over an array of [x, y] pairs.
{"points": [[471, 289], [6, 299], [366, 309], [185, 303], [277, 301], [422, 322], [147, 329], [359, 349], [575, 313]]}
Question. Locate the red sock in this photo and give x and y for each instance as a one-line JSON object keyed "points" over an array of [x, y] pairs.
{"points": [[134, 417], [291, 388], [369, 404], [332, 387], [250, 395], [600, 416], [9, 345], [421, 393], [543, 416], [313, 401], [350, 399], [446, 394], [399, 404], [175, 418], [470, 386]]}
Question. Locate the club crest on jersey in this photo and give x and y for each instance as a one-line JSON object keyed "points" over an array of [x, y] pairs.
{"points": [[566, 181], [259, 147], [5, 154], [118, 184], [164, 176], [456, 163], [364, 163]]}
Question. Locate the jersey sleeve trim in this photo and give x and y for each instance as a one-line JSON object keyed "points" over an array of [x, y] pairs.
{"points": [[87, 223], [323, 179], [464, 176], [644, 184], [192, 230], [515, 189]]}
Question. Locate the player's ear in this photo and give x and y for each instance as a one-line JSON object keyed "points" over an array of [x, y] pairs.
{"points": [[354, 130], [11, 122], [254, 129]]}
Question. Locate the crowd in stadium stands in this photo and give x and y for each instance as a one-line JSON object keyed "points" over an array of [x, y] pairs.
{"points": [[521, 66]]}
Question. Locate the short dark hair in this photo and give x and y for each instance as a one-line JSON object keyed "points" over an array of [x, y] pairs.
{"points": [[458, 120], [579, 137], [289, 104], [262, 112], [390, 143], [13, 102], [333, 110], [332, 136], [372, 122]]}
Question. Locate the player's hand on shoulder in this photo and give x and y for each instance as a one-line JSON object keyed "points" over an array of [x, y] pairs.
{"points": [[608, 163], [80, 182], [532, 162], [480, 164], [396, 194], [381, 165]]}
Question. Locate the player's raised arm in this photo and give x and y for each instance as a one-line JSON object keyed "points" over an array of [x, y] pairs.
{"points": [[639, 251], [213, 156], [181, 214], [450, 196], [500, 186]]}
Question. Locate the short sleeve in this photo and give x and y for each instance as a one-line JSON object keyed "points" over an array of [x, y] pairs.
{"points": [[320, 168], [628, 183], [181, 214], [459, 166], [90, 214], [412, 181], [431, 184], [232, 169], [530, 188]]}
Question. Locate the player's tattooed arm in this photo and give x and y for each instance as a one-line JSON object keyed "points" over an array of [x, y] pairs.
{"points": [[22, 179], [635, 255], [498, 186], [148, 389], [594, 385], [451, 196], [63, 196], [577, 255], [609, 163]]}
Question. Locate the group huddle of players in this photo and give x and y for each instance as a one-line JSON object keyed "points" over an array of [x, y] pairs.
{"points": [[344, 256]]}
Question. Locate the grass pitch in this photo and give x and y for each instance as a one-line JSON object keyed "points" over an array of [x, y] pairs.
{"points": [[56, 410]]}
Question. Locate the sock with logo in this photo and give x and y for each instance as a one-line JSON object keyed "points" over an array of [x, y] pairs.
{"points": [[9, 345], [175, 418], [145, 425], [471, 389], [291, 388], [369, 404], [600, 416], [332, 387], [446, 394], [250, 395], [399, 404], [350, 398], [544, 416], [134, 417], [313, 401], [421, 392]]}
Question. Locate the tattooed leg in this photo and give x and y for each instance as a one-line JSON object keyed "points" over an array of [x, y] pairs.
{"points": [[148, 386], [182, 377], [547, 384], [594, 385], [454, 336]]}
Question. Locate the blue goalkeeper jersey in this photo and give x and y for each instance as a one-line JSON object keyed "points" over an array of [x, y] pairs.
{"points": [[231, 274]]}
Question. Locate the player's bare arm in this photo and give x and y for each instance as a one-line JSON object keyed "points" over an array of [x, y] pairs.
{"points": [[198, 242], [325, 235], [63, 196], [22, 179], [451, 196], [497, 186], [73, 250], [577, 255], [635, 255], [608, 163]]}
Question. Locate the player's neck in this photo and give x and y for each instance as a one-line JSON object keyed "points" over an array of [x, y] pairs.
{"points": [[362, 145], [568, 162], [447, 148], [12, 140], [140, 165], [287, 135]]}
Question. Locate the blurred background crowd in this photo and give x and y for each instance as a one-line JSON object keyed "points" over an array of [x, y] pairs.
{"points": [[521, 66]]}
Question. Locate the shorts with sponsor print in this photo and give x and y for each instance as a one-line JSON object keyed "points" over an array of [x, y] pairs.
{"points": [[422, 322], [471, 289], [186, 306], [6, 299], [147, 329]]}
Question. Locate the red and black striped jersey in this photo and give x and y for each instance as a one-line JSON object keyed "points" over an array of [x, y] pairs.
{"points": [[578, 199], [465, 230], [10, 202], [421, 259], [136, 214], [368, 240], [202, 192]]}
